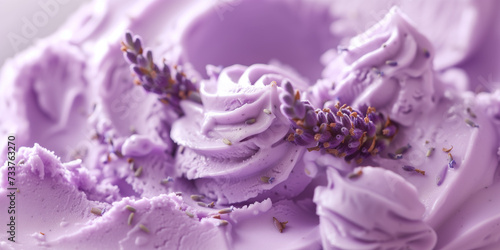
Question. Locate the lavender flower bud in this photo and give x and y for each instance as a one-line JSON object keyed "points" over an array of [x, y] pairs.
{"points": [[299, 109], [287, 86], [158, 79], [286, 98]]}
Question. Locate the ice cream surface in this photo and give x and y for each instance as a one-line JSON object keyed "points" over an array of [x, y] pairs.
{"points": [[394, 220], [223, 127]]}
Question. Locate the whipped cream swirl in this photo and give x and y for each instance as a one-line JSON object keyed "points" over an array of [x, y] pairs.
{"points": [[233, 146], [388, 67], [376, 209]]}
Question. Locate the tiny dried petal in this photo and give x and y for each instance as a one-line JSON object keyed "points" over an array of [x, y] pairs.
{"points": [[471, 123], [130, 218], [391, 63], [395, 156], [196, 197], [130, 208], [447, 150], [279, 225], [355, 174], [441, 176], [408, 168], [96, 211], [144, 228], [403, 149], [429, 152], [138, 172], [250, 121], [226, 210], [227, 142], [452, 164], [223, 223], [471, 114]]}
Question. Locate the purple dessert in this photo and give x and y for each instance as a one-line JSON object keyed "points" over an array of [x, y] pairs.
{"points": [[263, 124]]}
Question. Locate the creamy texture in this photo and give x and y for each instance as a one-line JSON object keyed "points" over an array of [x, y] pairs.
{"points": [[455, 41], [388, 67], [376, 210], [72, 93], [52, 196], [474, 151], [39, 76], [237, 137]]}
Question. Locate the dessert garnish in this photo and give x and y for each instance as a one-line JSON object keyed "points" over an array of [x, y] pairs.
{"points": [[171, 84], [471, 123], [196, 197], [395, 156], [391, 63], [447, 150], [223, 223], [96, 211], [430, 151], [138, 172], [471, 114], [226, 210], [267, 179], [279, 225], [355, 175], [338, 130], [403, 149], [130, 218], [413, 169], [169, 179], [130, 208], [227, 142], [398, 154], [144, 228], [451, 163], [441, 176]]}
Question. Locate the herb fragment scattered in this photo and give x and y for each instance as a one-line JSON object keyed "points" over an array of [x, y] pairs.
{"points": [[279, 225], [96, 211], [144, 228]]}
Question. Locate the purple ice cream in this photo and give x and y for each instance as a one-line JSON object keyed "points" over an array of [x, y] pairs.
{"points": [[188, 143]]}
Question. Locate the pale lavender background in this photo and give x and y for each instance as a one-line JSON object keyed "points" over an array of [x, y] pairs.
{"points": [[45, 16]]}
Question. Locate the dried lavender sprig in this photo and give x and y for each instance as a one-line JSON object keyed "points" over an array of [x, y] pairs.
{"points": [[339, 130], [171, 84]]}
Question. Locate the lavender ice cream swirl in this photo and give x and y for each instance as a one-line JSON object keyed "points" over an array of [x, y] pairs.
{"points": [[373, 208], [388, 67], [233, 145]]}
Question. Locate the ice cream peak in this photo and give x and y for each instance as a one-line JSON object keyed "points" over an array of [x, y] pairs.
{"points": [[388, 67], [372, 209], [233, 144]]}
